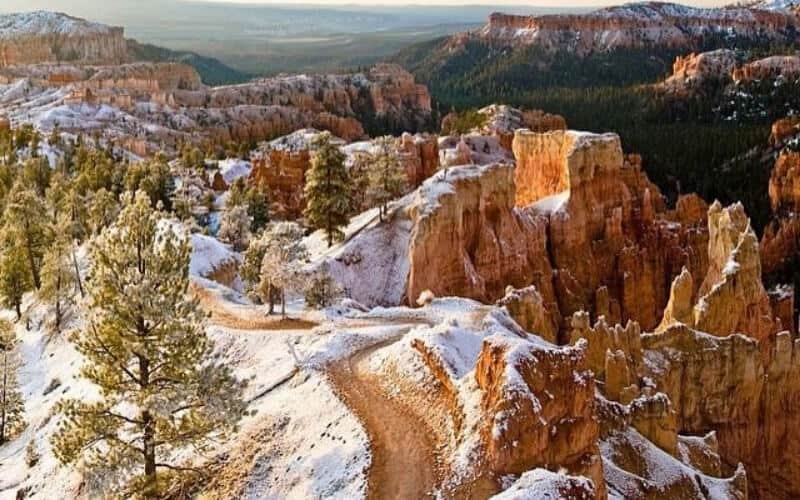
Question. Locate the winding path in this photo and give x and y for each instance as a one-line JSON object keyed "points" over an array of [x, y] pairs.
{"points": [[404, 464]]}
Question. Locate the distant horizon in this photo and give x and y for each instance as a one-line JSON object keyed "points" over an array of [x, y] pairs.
{"points": [[68, 5]]}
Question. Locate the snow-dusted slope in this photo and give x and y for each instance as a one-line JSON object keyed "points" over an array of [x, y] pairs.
{"points": [[40, 23]]}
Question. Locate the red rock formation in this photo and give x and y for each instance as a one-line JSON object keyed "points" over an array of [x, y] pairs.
{"points": [[612, 237], [468, 239], [36, 37], [784, 129], [394, 90], [726, 385], [420, 156], [538, 402], [631, 26], [769, 68], [779, 244], [693, 70], [281, 168], [606, 244]]}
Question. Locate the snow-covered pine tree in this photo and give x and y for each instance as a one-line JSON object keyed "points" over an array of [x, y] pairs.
{"points": [[12, 406], [15, 276], [321, 289], [387, 177], [103, 209], [234, 228], [59, 281], [147, 350], [281, 266], [26, 213], [327, 190]]}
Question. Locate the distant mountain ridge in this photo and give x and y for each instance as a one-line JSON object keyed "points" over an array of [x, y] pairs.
{"points": [[48, 37], [624, 45]]}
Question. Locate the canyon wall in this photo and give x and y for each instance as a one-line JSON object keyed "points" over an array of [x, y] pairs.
{"points": [[633, 26], [37, 37]]}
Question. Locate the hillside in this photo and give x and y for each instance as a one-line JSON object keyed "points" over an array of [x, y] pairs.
{"points": [[624, 45], [48, 37]]}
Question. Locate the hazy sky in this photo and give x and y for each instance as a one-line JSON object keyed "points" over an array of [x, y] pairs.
{"points": [[543, 3], [23, 5]]}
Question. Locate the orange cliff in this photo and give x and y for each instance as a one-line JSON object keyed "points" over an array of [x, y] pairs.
{"points": [[576, 218], [631, 26]]}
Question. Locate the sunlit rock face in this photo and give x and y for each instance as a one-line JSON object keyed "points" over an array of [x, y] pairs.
{"points": [[631, 26]]}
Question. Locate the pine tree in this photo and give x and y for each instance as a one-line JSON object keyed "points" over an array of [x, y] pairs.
{"points": [[58, 275], [154, 178], [103, 209], [321, 288], [250, 271], [284, 255], [26, 214], [12, 406], [235, 227], [327, 190], [256, 200], [15, 277], [147, 350], [387, 178]]}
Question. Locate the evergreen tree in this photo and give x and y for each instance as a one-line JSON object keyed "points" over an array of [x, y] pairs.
{"points": [[15, 277], [26, 214], [387, 177], [284, 254], [147, 350], [58, 276], [152, 177], [103, 209], [36, 173], [12, 407], [359, 181], [235, 227], [255, 198], [321, 288], [327, 190]]}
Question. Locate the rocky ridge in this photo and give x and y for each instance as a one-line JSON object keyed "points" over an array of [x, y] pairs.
{"points": [[643, 292], [634, 25]]}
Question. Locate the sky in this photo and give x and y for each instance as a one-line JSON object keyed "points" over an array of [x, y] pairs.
{"points": [[64, 5], [541, 3]]}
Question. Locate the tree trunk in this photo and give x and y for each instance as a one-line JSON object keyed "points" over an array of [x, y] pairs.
{"points": [[283, 302], [18, 309], [148, 438], [270, 300], [4, 403], [78, 274], [58, 304]]}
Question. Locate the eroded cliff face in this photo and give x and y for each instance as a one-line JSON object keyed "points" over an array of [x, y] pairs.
{"points": [[693, 385], [469, 241], [779, 243], [575, 218], [631, 26], [165, 105], [37, 37]]}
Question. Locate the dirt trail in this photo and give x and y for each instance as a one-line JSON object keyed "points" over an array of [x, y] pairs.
{"points": [[404, 463]]}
